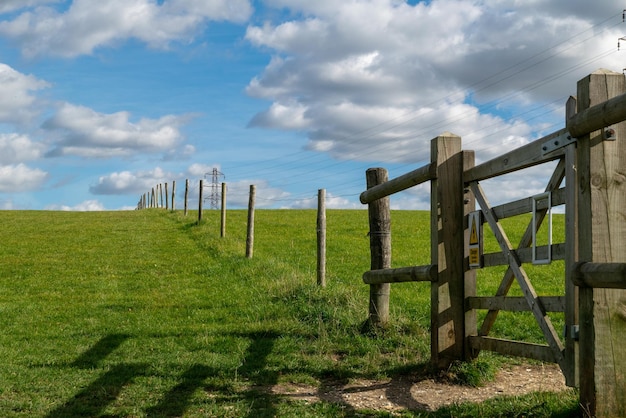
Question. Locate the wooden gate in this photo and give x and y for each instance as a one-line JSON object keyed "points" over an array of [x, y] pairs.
{"points": [[591, 157]]}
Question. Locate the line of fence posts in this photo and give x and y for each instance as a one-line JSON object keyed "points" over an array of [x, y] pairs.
{"points": [[152, 201]]}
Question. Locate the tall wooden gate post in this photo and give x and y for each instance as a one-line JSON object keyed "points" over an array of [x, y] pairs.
{"points": [[380, 248], [450, 321], [601, 181]]}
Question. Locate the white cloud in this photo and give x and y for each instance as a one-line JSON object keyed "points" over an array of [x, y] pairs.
{"points": [[332, 202], [238, 194], [200, 170], [20, 178], [377, 79], [17, 104], [16, 148], [127, 182], [86, 206], [84, 132], [86, 24]]}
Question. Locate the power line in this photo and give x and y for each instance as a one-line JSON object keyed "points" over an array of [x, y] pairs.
{"points": [[306, 159]]}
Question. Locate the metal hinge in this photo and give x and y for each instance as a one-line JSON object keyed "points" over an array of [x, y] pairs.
{"points": [[560, 141]]}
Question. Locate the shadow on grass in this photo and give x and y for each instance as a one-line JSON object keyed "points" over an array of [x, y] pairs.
{"points": [[94, 399], [99, 351]]}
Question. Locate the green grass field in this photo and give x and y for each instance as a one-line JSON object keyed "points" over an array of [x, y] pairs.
{"points": [[146, 313]]}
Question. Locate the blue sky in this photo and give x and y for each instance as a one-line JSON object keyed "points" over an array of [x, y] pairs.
{"points": [[100, 100]]}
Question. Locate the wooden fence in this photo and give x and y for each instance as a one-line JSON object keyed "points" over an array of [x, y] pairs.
{"points": [[591, 159]]}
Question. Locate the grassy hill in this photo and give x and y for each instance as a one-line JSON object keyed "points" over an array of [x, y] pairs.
{"points": [[146, 313]]}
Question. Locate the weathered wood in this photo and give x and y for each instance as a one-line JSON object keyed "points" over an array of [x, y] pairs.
{"points": [[513, 348], [524, 157], [571, 255], [321, 237], [447, 243], [525, 205], [600, 275], [515, 265], [250, 234], [602, 239], [413, 178], [173, 194], [380, 247], [401, 275], [509, 276], [223, 212], [524, 255], [167, 200], [469, 279], [599, 116], [515, 304], [186, 195], [200, 200]]}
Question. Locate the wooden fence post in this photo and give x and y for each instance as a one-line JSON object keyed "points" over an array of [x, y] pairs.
{"points": [[173, 195], [602, 238], [223, 209], [200, 190], [186, 194], [321, 237], [448, 333], [380, 248], [161, 194], [250, 236], [167, 200]]}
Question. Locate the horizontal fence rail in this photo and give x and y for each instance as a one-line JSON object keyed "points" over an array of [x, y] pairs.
{"points": [[597, 117], [398, 184], [527, 156], [401, 274], [600, 275]]}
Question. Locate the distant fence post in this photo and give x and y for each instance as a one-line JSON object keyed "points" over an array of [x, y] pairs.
{"points": [[167, 200], [201, 188], [153, 199], [448, 342], [321, 237], [380, 248], [173, 195], [601, 238], [250, 235], [186, 194], [223, 209], [161, 194]]}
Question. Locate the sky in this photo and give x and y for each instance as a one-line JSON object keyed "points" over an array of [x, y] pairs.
{"points": [[101, 100]]}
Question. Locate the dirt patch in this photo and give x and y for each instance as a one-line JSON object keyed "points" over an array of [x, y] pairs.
{"points": [[413, 393]]}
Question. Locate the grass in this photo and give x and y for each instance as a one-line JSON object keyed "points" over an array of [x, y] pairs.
{"points": [[147, 313]]}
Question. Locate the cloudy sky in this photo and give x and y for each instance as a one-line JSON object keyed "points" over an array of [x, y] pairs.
{"points": [[100, 100]]}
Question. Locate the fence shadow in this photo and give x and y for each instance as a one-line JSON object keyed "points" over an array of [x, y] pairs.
{"points": [[99, 351], [105, 390], [92, 401]]}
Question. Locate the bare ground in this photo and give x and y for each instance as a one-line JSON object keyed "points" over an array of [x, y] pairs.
{"points": [[415, 393]]}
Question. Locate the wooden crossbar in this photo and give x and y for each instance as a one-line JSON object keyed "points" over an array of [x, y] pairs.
{"points": [[515, 266], [410, 179], [600, 275], [515, 304], [513, 348], [426, 273]]}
